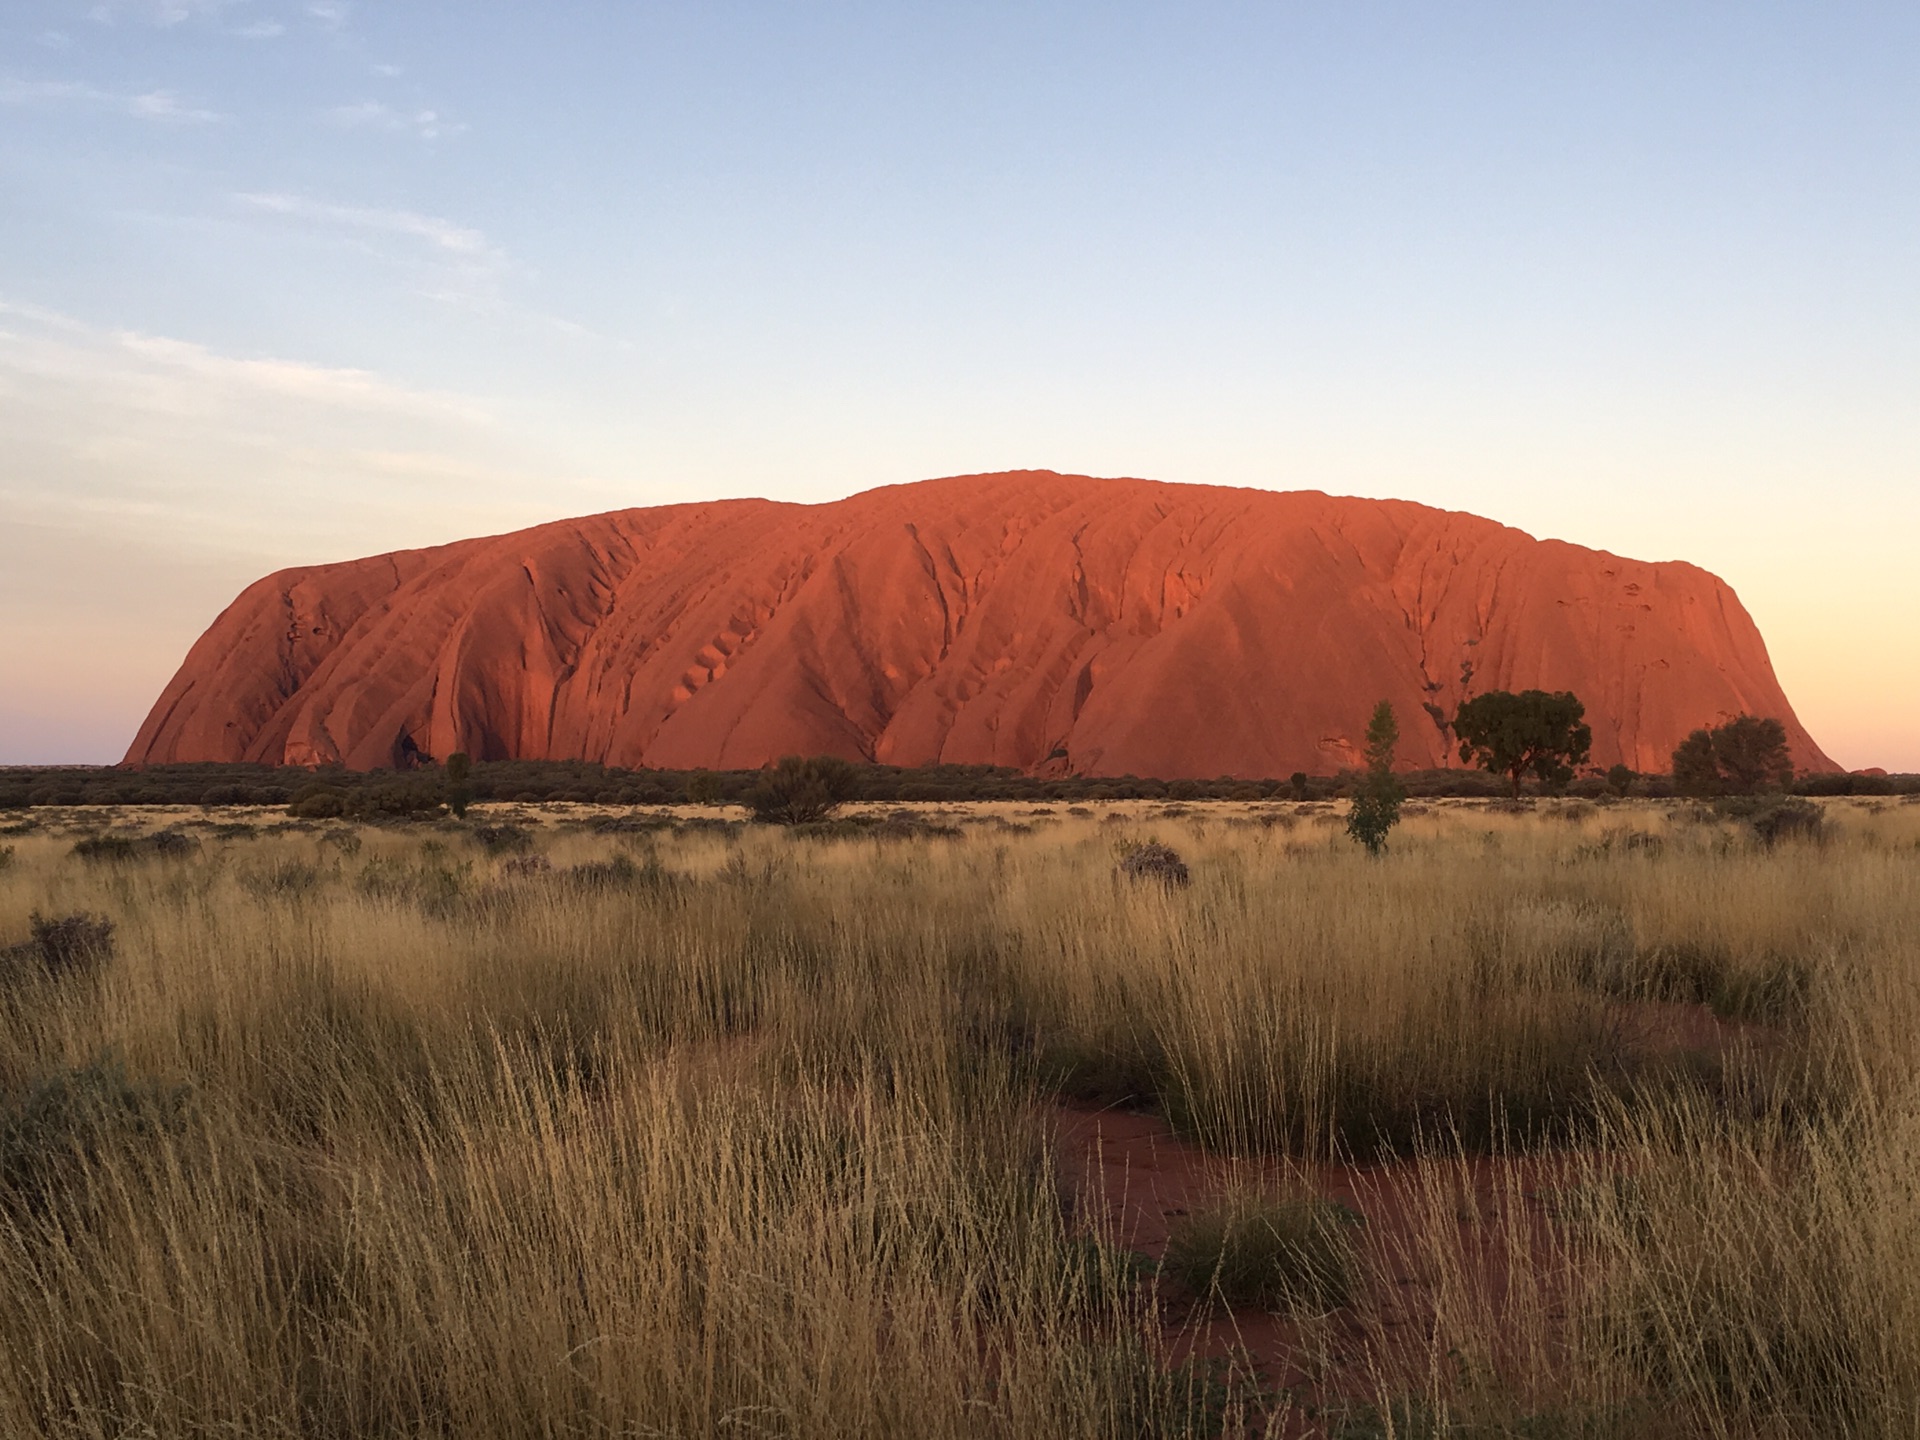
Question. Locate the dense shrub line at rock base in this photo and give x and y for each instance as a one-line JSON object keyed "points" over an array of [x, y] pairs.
{"points": [[586, 783]]}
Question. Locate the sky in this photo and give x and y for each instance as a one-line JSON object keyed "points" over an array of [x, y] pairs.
{"points": [[288, 281]]}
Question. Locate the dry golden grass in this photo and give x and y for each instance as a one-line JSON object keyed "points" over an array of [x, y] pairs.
{"points": [[750, 1132]]}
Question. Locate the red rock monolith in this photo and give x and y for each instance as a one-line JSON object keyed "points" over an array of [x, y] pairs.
{"points": [[1041, 621]]}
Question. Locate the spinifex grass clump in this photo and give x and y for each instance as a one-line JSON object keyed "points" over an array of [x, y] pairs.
{"points": [[1274, 1252]]}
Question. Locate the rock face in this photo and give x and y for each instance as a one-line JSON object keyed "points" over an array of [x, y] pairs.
{"points": [[1048, 622]]}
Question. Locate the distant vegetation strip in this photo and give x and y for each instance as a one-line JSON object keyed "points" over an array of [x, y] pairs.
{"points": [[584, 782]]}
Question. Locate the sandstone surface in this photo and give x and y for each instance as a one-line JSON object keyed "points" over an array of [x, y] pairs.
{"points": [[1047, 622]]}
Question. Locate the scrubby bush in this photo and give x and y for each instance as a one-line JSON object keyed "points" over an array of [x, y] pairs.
{"points": [[51, 1134], [1151, 860], [802, 790], [503, 839], [1786, 817], [281, 879], [67, 945], [399, 800], [1272, 1252], [106, 848], [317, 802]]}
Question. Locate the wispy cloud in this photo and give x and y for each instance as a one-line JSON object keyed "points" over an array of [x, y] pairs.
{"points": [[378, 115], [455, 240], [173, 373], [453, 264], [165, 13], [314, 384], [158, 105], [165, 105], [42, 317], [248, 19]]}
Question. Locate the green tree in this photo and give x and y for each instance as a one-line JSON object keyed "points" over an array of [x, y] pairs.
{"points": [[1376, 801], [1532, 733], [1620, 778], [703, 788], [1696, 774], [1752, 755], [459, 782], [800, 791], [1746, 756]]}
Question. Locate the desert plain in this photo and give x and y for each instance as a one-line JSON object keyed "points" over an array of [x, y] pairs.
{"points": [[1560, 1118]]}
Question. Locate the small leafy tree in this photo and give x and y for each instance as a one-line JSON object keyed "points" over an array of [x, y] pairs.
{"points": [[459, 782], [1696, 774], [1620, 778], [1746, 756], [1299, 785], [801, 791], [1377, 800], [1532, 733], [1752, 755]]}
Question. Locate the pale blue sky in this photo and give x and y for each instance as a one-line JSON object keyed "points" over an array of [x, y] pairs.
{"points": [[285, 281]]}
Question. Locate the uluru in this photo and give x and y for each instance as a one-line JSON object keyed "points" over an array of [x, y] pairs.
{"points": [[1052, 623]]}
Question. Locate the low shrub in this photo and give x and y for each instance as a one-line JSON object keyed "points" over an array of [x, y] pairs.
{"points": [[69, 945], [623, 824], [282, 879], [802, 791], [1272, 1252], [1789, 818], [346, 841], [99, 849], [399, 800], [65, 1122], [618, 873], [436, 887], [317, 802], [503, 839], [1150, 860]]}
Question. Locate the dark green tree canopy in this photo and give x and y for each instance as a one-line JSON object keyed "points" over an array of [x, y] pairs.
{"points": [[1746, 756], [1532, 733]]}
